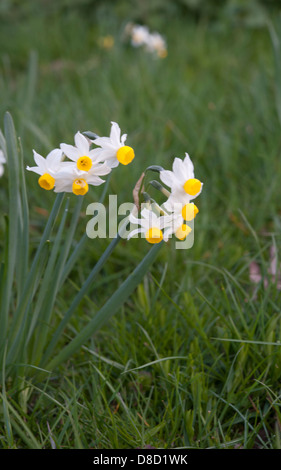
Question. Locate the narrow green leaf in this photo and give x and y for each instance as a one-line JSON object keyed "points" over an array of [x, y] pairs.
{"points": [[83, 291], [23, 243], [32, 279], [152, 363], [11, 252], [231, 340], [48, 290]]}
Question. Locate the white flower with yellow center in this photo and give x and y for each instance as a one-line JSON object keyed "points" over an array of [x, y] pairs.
{"points": [[80, 153], [184, 187], [176, 221], [70, 179], [47, 168], [113, 149], [151, 225], [2, 161]]}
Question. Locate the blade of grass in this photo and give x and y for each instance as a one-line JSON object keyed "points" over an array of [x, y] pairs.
{"points": [[6, 414], [21, 427], [23, 244], [148, 364]]}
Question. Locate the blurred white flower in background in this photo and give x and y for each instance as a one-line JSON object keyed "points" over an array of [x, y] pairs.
{"points": [[156, 43], [152, 42], [139, 35]]}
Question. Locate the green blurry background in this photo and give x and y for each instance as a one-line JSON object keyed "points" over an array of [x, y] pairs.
{"points": [[216, 96]]}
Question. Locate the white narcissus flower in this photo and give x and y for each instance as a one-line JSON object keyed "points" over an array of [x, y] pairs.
{"points": [[175, 225], [139, 35], [184, 187], [153, 42], [80, 153], [70, 179], [176, 221], [113, 149], [156, 43], [2, 161], [151, 225], [47, 168]]}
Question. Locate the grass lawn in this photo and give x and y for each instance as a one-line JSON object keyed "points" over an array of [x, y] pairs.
{"points": [[193, 358]]}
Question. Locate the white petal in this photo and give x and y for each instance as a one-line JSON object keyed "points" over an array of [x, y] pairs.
{"points": [[134, 220], [40, 161], [94, 180], [81, 143], [68, 172], [183, 198], [63, 186], [178, 169], [94, 154], [167, 177], [112, 162], [177, 197], [104, 142], [188, 166], [146, 213], [167, 234], [70, 151], [100, 170], [135, 232], [105, 155], [35, 169], [53, 159], [115, 133], [165, 221], [123, 139]]}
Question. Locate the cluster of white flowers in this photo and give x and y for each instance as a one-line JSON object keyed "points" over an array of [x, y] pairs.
{"points": [[173, 216], [85, 165], [153, 42], [2, 161], [72, 168]]}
